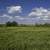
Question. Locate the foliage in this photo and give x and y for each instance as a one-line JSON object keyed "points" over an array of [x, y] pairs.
{"points": [[12, 23], [43, 25]]}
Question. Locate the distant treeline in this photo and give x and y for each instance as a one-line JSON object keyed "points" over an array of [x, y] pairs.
{"points": [[15, 24], [12, 24], [43, 25]]}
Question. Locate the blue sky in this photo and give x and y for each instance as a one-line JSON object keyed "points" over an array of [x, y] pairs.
{"points": [[24, 9]]}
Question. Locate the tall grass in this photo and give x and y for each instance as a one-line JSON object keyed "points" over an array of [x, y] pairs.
{"points": [[24, 38]]}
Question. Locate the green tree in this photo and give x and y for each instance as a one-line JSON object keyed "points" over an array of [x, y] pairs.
{"points": [[11, 23]]}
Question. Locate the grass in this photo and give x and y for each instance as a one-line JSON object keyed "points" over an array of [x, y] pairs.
{"points": [[24, 38]]}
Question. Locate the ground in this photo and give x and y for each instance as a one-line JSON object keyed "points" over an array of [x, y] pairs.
{"points": [[25, 38]]}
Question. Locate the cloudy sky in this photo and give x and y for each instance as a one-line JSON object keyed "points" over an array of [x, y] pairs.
{"points": [[25, 11]]}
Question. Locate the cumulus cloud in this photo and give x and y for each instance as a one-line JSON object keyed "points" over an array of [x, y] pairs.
{"points": [[40, 13], [37, 15], [6, 16], [19, 17], [14, 9]]}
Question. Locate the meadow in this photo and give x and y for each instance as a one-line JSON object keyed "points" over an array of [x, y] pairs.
{"points": [[24, 38]]}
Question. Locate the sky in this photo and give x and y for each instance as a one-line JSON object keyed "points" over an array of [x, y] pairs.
{"points": [[25, 11]]}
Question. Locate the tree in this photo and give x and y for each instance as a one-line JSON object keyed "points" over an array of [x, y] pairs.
{"points": [[11, 23], [14, 23]]}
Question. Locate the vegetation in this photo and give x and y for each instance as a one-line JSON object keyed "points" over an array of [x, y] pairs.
{"points": [[43, 25], [24, 38], [14, 36], [12, 23]]}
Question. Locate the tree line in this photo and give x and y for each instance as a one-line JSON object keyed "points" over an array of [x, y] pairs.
{"points": [[14, 24]]}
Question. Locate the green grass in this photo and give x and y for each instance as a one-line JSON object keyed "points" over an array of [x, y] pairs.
{"points": [[24, 38]]}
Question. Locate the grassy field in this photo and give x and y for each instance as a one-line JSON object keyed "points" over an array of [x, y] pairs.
{"points": [[24, 38]]}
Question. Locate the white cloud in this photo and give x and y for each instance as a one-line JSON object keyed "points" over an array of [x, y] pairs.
{"points": [[6, 16], [40, 13], [17, 16], [13, 9]]}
